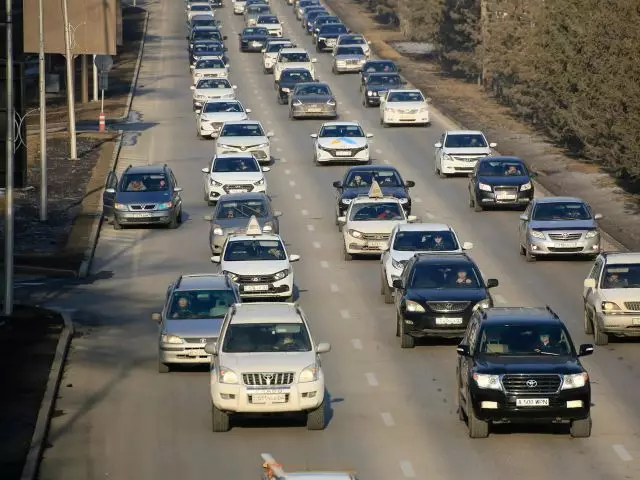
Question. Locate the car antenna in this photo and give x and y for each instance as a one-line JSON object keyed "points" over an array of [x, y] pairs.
{"points": [[254, 227], [375, 191]]}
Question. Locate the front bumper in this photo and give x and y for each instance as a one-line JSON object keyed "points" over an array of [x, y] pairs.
{"points": [[298, 397], [214, 192], [402, 118], [625, 324], [346, 67], [187, 353], [278, 289], [452, 325], [513, 197], [144, 218], [326, 44], [372, 99], [359, 246], [343, 155], [547, 247], [453, 167], [314, 111], [263, 155], [252, 46]]}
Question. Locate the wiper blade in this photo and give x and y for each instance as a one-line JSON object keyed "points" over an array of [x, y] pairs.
{"points": [[540, 352]]}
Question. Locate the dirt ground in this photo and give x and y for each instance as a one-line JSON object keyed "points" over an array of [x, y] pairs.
{"points": [[28, 340]]}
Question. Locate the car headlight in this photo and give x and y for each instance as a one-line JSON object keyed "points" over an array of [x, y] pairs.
{"points": [[398, 264], [331, 103], [120, 206], [371, 93], [423, 110], [447, 158], [165, 205], [232, 276], [591, 234], [287, 90], [484, 187], [201, 97], [263, 145], [403, 200], [355, 233], [198, 75], [414, 307], [490, 382], [485, 303], [171, 339], [281, 274], [609, 306], [224, 145], [297, 102], [259, 182], [212, 182], [576, 380], [226, 375], [346, 201], [309, 374], [525, 187], [536, 233], [217, 230]]}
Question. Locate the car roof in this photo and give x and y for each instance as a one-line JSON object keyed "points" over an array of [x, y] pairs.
{"points": [[559, 199], [243, 196], [156, 168], [326, 25], [406, 90], [294, 50], [343, 122], [202, 281], [369, 168], [520, 315], [464, 132], [243, 122], [424, 227], [206, 28], [367, 199], [501, 158], [453, 258], [377, 61], [265, 312], [302, 84], [267, 15], [619, 258], [264, 236]]}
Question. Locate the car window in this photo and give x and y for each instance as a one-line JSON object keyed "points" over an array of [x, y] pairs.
{"points": [[254, 250], [315, 89], [268, 20], [332, 28], [213, 83], [266, 338], [223, 107], [255, 31], [352, 41], [242, 130], [364, 178], [384, 80], [210, 63], [524, 340], [501, 169], [303, 76], [188, 305], [213, 48], [241, 209], [405, 97], [144, 182], [294, 57], [200, 8], [415, 241], [362, 212], [445, 275], [210, 22], [561, 211], [205, 35], [621, 276], [235, 164], [471, 140], [376, 66], [327, 19], [349, 51], [276, 47], [341, 131]]}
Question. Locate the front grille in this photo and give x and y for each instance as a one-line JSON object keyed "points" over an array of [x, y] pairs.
{"points": [[566, 250], [465, 158], [448, 307], [255, 279], [148, 206], [316, 106], [510, 190], [375, 236], [247, 188], [635, 306], [266, 379], [353, 62], [411, 111], [353, 151], [565, 236], [200, 340], [535, 383]]}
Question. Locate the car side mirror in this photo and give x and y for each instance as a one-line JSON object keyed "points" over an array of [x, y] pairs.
{"points": [[463, 350], [208, 218], [585, 350], [368, 42], [277, 214], [467, 246], [590, 283], [397, 283], [337, 184], [270, 134], [409, 184], [177, 189], [192, 87], [493, 145], [110, 190], [205, 170], [215, 259], [370, 135], [524, 217], [412, 219], [187, 37], [342, 220], [235, 87], [264, 50], [247, 110], [240, 34], [266, 169], [294, 258], [597, 216], [323, 348], [492, 283], [156, 317], [314, 135], [533, 174], [197, 111], [224, 37], [211, 348], [314, 60], [428, 99], [437, 145]]}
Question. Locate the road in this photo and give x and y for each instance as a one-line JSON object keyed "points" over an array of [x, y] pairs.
{"points": [[393, 410]]}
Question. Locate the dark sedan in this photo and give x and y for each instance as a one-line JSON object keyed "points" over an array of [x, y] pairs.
{"points": [[204, 50], [327, 36], [289, 78], [313, 100], [500, 182], [205, 34], [309, 17], [253, 39], [319, 22], [376, 66], [377, 84]]}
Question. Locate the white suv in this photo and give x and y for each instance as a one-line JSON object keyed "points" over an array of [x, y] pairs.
{"points": [[293, 58], [265, 361], [233, 173], [458, 151]]}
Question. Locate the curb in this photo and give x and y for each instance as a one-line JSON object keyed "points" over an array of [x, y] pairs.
{"points": [[48, 272], [39, 437], [85, 266]]}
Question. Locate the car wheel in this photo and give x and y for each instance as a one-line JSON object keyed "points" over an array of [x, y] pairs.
{"points": [[116, 224], [477, 428], [581, 428], [382, 282], [441, 173], [163, 367], [386, 290], [179, 218], [220, 421], [291, 115], [600, 338], [530, 257], [588, 324], [522, 251], [406, 340], [316, 418], [173, 224], [461, 415], [347, 256], [472, 202]]}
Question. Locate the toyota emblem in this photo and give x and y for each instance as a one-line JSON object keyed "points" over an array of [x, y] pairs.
{"points": [[532, 383], [203, 340], [448, 306], [243, 148], [268, 377], [565, 235], [255, 279]]}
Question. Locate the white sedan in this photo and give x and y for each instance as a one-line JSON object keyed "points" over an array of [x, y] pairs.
{"points": [[233, 173], [211, 88], [404, 106], [271, 23], [341, 142], [214, 113], [210, 68]]}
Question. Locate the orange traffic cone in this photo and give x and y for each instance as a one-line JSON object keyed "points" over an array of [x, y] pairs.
{"points": [[101, 122]]}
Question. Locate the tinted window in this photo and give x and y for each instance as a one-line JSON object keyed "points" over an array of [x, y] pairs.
{"points": [[501, 169], [252, 250], [228, 107], [294, 57], [524, 340], [373, 67], [465, 141], [376, 211], [242, 209], [242, 130], [211, 63], [364, 178], [266, 337], [213, 83], [315, 89], [235, 164], [200, 304], [378, 79], [413, 241], [276, 47], [256, 31], [349, 51], [206, 35], [561, 211], [444, 275], [210, 22], [332, 28], [268, 20], [200, 8], [341, 131], [144, 182], [327, 19], [352, 41], [303, 76], [621, 276], [405, 97]]}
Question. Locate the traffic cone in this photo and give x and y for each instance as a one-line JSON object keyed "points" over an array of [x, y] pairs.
{"points": [[101, 122]]}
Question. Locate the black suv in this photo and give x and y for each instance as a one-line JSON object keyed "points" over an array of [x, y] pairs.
{"points": [[376, 66], [357, 181], [519, 364], [437, 294], [500, 182], [377, 84], [145, 195], [289, 78]]}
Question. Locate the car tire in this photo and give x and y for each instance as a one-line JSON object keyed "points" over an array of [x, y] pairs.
{"points": [[530, 257], [386, 291], [179, 217], [382, 282], [588, 324], [116, 224], [220, 421], [316, 418], [461, 415], [365, 104], [600, 338], [163, 367], [397, 325], [472, 202], [477, 207], [406, 340], [581, 428], [441, 174], [477, 428], [173, 224], [522, 251], [347, 256]]}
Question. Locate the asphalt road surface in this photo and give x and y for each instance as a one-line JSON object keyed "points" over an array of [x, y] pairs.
{"points": [[393, 411]]}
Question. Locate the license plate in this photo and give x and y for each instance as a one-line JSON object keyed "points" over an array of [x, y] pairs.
{"points": [[505, 196], [378, 245], [197, 353], [314, 110], [270, 398], [532, 402], [211, 75], [237, 190], [256, 44], [141, 215], [448, 321], [407, 117], [635, 321], [256, 288], [331, 42], [565, 245], [343, 153]]}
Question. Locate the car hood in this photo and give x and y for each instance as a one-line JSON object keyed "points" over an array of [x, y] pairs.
{"points": [[467, 151], [342, 142], [242, 141], [446, 294], [260, 267], [224, 116], [349, 57], [620, 295], [238, 223], [313, 98], [353, 192], [142, 197], [204, 71], [267, 362], [406, 105], [288, 83], [403, 256], [214, 92], [501, 364], [269, 26], [306, 65], [252, 38], [563, 225], [374, 226], [504, 180], [237, 177], [203, 327]]}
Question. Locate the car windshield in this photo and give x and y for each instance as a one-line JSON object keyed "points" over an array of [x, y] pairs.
{"points": [[294, 57], [621, 276], [405, 97], [242, 209], [315, 89], [253, 250], [303, 76], [200, 8], [364, 178], [307, 3], [443, 275], [527, 340], [326, 19], [206, 35], [242, 130], [314, 13], [276, 47], [209, 22], [257, 9], [546, 212], [144, 182], [349, 51], [268, 20], [266, 338], [380, 79], [501, 169], [222, 107], [415, 241], [206, 83], [332, 28], [341, 131], [362, 212], [472, 140], [379, 67], [352, 41], [208, 49], [235, 164], [189, 305], [210, 63], [256, 31]]}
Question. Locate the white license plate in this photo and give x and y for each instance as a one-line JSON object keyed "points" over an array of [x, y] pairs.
{"points": [[256, 288], [505, 196], [565, 245], [448, 321], [141, 215], [343, 153], [196, 353], [532, 402], [237, 190], [378, 245], [269, 398], [331, 43], [406, 117], [314, 110], [635, 321]]}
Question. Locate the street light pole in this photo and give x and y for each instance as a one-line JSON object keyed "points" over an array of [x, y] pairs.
{"points": [[71, 104], [8, 213], [43, 117]]}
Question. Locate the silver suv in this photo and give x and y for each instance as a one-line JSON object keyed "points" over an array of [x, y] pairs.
{"points": [[559, 226]]}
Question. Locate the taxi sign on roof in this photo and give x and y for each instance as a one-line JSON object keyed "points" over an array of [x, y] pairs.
{"points": [[375, 191], [273, 468], [254, 227]]}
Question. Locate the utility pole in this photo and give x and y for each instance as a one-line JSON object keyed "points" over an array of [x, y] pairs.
{"points": [[8, 213], [43, 118], [484, 39], [71, 107], [95, 80]]}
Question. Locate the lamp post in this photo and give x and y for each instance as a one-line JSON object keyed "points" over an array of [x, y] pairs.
{"points": [[8, 213]]}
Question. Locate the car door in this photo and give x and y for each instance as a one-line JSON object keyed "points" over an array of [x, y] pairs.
{"points": [[109, 194], [466, 363], [385, 255], [176, 198], [590, 294], [522, 224], [438, 151]]}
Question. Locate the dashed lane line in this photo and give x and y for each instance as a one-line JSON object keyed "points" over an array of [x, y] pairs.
{"points": [[371, 379], [417, 200], [317, 245], [334, 288], [297, 196], [311, 228], [292, 183], [387, 419], [345, 314], [287, 172], [304, 213], [324, 264], [622, 453], [407, 469], [357, 344]]}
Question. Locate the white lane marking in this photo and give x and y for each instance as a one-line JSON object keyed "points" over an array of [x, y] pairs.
{"points": [[283, 160], [407, 469], [311, 228], [298, 196], [287, 172], [304, 213], [622, 453], [348, 112], [324, 264], [317, 245], [275, 139], [269, 122], [334, 288], [339, 103], [259, 97], [378, 151], [386, 161], [278, 149], [371, 379], [357, 344], [387, 419], [292, 183], [417, 200], [430, 216], [345, 314], [255, 92], [499, 298]]}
